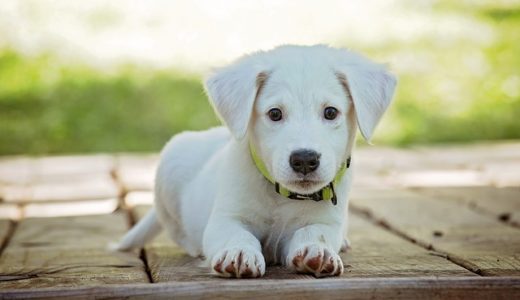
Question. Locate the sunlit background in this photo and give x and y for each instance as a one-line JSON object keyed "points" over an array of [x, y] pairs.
{"points": [[89, 76]]}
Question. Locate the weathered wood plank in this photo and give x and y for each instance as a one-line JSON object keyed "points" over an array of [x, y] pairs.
{"points": [[97, 186], [456, 165], [375, 166], [375, 253], [10, 211], [502, 203], [436, 177], [91, 231], [71, 208], [378, 253], [494, 163], [328, 288], [17, 170], [138, 198], [57, 168], [480, 243], [503, 173], [136, 172], [24, 170], [470, 155], [59, 178], [69, 251], [389, 167]]}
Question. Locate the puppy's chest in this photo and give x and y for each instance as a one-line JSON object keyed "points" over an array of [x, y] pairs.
{"points": [[277, 231]]}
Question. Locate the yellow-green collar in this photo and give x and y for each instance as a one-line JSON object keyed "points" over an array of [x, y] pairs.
{"points": [[326, 193]]}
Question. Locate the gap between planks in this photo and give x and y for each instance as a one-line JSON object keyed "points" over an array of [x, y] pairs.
{"points": [[483, 244], [121, 190], [132, 220], [11, 228], [71, 251], [386, 226]]}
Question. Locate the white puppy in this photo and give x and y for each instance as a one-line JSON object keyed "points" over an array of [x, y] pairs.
{"points": [[249, 193]]}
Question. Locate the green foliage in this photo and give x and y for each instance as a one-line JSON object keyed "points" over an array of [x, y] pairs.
{"points": [[45, 108], [459, 90]]}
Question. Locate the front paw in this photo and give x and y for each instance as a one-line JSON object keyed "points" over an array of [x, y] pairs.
{"points": [[317, 260], [239, 263]]}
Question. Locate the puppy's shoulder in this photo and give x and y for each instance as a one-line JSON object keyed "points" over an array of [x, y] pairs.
{"points": [[193, 148], [211, 138]]}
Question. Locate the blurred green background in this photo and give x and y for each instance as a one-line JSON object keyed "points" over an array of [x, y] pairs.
{"points": [[452, 88]]}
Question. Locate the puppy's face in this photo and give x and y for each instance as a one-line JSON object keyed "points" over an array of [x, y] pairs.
{"points": [[298, 107], [300, 126]]}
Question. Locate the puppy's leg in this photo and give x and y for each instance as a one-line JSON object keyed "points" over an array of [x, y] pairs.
{"points": [[313, 249], [233, 250]]}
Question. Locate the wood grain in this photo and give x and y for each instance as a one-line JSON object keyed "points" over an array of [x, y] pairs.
{"points": [[480, 243], [378, 253], [68, 251], [431, 241], [501, 203], [328, 288], [375, 253]]}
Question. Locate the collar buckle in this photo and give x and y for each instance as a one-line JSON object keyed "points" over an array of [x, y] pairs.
{"points": [[315, 196], [318, 196]]}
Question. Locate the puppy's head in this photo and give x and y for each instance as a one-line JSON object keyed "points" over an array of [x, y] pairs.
{"points": [[300, 107]]}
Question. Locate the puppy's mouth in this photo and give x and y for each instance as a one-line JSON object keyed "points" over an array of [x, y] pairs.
{"points": [[305, 186], [305, 183]]}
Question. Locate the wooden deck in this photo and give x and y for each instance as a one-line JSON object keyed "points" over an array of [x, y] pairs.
{"points": [[437, 222]]}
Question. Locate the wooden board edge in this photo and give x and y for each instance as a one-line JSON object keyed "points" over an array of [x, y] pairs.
{"points": [[330, 288]]}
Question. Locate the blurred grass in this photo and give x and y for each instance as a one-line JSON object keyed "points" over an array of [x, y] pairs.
{"points": [[46, 108], [454, 91], [461, 91]]}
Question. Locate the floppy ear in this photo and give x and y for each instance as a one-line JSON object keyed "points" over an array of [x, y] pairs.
{"points": [[232, 91], [370, 87]]}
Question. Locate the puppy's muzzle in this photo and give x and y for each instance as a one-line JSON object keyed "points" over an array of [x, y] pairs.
{"points": [[304, 161]]}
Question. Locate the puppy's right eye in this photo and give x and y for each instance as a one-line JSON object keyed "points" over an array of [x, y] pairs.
{"points": [[275, 114]]}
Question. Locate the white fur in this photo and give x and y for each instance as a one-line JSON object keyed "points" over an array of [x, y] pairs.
{"points": [[213, 201]]}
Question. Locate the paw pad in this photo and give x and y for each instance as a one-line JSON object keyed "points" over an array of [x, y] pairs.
{"points": [[317, 260], [239, 263]]}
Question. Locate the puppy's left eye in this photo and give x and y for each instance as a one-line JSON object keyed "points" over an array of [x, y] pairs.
{"points": [[330, 113]]}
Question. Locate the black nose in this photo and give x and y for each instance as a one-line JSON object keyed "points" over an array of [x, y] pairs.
{"points": [[304, 161]]}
